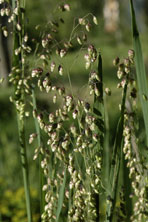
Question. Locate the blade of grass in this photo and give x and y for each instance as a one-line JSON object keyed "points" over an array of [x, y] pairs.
{"points": [[115, 163], [98, 110], [140, 70], [106, 154]]}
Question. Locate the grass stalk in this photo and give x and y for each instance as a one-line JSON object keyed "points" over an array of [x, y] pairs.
{"points": [[140, 70], [20, 98], [24, 164]]}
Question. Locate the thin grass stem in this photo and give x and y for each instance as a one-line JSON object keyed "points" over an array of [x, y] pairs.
{"points": [[17, 63]]}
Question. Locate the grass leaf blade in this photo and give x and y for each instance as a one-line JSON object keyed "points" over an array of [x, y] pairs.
{"points": [[115, 162], [140, 70]]}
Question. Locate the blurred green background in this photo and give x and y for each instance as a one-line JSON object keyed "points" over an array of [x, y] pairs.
{"points": [[113, 39]]}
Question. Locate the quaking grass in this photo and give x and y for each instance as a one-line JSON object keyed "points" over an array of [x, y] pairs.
{"points": [[98, 111]]}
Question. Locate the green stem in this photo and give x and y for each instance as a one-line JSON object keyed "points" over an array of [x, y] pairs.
{"points": [[20, 99], [24, 164]]}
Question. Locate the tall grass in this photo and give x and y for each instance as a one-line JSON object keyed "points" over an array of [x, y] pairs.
{"points": [[82, 176]]}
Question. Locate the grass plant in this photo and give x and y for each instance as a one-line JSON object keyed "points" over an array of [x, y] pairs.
{"points": [[81, 174]]}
